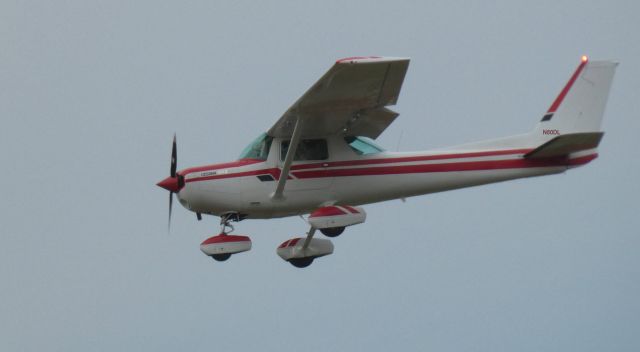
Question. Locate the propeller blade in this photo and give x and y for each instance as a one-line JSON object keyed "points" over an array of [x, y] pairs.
{"points": [[170, 207], [174, 157]]}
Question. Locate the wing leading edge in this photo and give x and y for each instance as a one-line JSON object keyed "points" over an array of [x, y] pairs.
{"points": [[349, 99]]}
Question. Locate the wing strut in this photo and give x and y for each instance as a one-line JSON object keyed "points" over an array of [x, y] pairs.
{"points": [[288, 160], [307, 240]]}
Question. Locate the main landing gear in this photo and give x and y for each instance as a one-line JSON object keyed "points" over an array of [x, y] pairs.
{"points": [[299, 251]]}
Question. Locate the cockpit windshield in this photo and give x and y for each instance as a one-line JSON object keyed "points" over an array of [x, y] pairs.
{"points": [[363, 145], [258, 149]]}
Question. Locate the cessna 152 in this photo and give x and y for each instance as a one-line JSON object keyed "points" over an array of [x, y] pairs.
{"points": [[319, 157]]}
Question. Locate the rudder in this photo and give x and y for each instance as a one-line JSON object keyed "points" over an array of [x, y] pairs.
{"points": [[580, 105]]}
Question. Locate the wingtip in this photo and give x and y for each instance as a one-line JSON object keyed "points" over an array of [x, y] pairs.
{"points": [[369, 59], [352, 59]]}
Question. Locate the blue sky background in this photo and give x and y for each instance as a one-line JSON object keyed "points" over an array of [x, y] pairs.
{"points": [[92, 91]]}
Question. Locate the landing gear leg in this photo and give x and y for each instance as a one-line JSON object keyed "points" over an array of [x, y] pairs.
{"points": [[225, 222], [306, 261], [307, 240]]}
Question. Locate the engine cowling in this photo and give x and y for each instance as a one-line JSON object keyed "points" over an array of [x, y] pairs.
{"points": [[222, 246], [336, 216], [291, 250]]}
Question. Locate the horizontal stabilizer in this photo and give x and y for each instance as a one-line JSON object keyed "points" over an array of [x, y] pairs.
{"points": [[566, 144]]}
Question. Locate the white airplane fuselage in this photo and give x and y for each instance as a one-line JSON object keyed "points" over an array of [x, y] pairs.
{"points": [[319, 158], [247, 186]]}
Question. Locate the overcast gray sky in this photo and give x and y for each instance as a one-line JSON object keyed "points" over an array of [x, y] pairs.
{"points": [[92, 91]]}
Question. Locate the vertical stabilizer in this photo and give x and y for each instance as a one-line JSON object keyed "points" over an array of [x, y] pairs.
{"points": [[580, 105]]}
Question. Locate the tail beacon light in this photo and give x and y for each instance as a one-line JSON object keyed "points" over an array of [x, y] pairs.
{"points": [[222, 246], [336, 216]]}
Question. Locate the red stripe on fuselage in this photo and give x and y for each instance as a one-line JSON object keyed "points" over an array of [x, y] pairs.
{"points": [[275, 172], [408, 169], [245, 162], [232, 164], [409, 159], [430, 168]]}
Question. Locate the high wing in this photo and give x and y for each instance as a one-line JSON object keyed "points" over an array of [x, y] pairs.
{"points": [[350, 99]]}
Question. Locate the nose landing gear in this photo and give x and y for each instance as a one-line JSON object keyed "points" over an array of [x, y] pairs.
{"points": [[222, 246], [225, 223]]}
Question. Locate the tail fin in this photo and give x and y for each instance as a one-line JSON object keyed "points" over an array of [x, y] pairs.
{"points": [[571, 128], [580, 105]]}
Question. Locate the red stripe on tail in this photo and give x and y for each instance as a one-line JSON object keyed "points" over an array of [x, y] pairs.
{"points": [[565, 90]]}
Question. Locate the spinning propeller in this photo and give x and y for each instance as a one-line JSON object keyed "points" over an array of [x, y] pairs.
{"points": [[174, 182]]}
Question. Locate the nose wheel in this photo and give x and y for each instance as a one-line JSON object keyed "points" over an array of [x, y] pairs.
{"points": [[225, 228], [223, 245]]}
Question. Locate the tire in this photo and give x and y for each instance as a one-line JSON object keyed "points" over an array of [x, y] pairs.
{"points": [[221, 257], [301, 262], [332, 231]]}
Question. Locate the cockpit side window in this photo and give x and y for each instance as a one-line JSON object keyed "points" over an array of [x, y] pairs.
{"points": [[258, 149], [363, 145], [308, 149]]}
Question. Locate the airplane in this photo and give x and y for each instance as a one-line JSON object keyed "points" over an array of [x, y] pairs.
{"points": [[320, 159]]}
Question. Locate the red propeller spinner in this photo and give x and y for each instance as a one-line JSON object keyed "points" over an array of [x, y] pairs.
{"points": [[171, 184]]}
